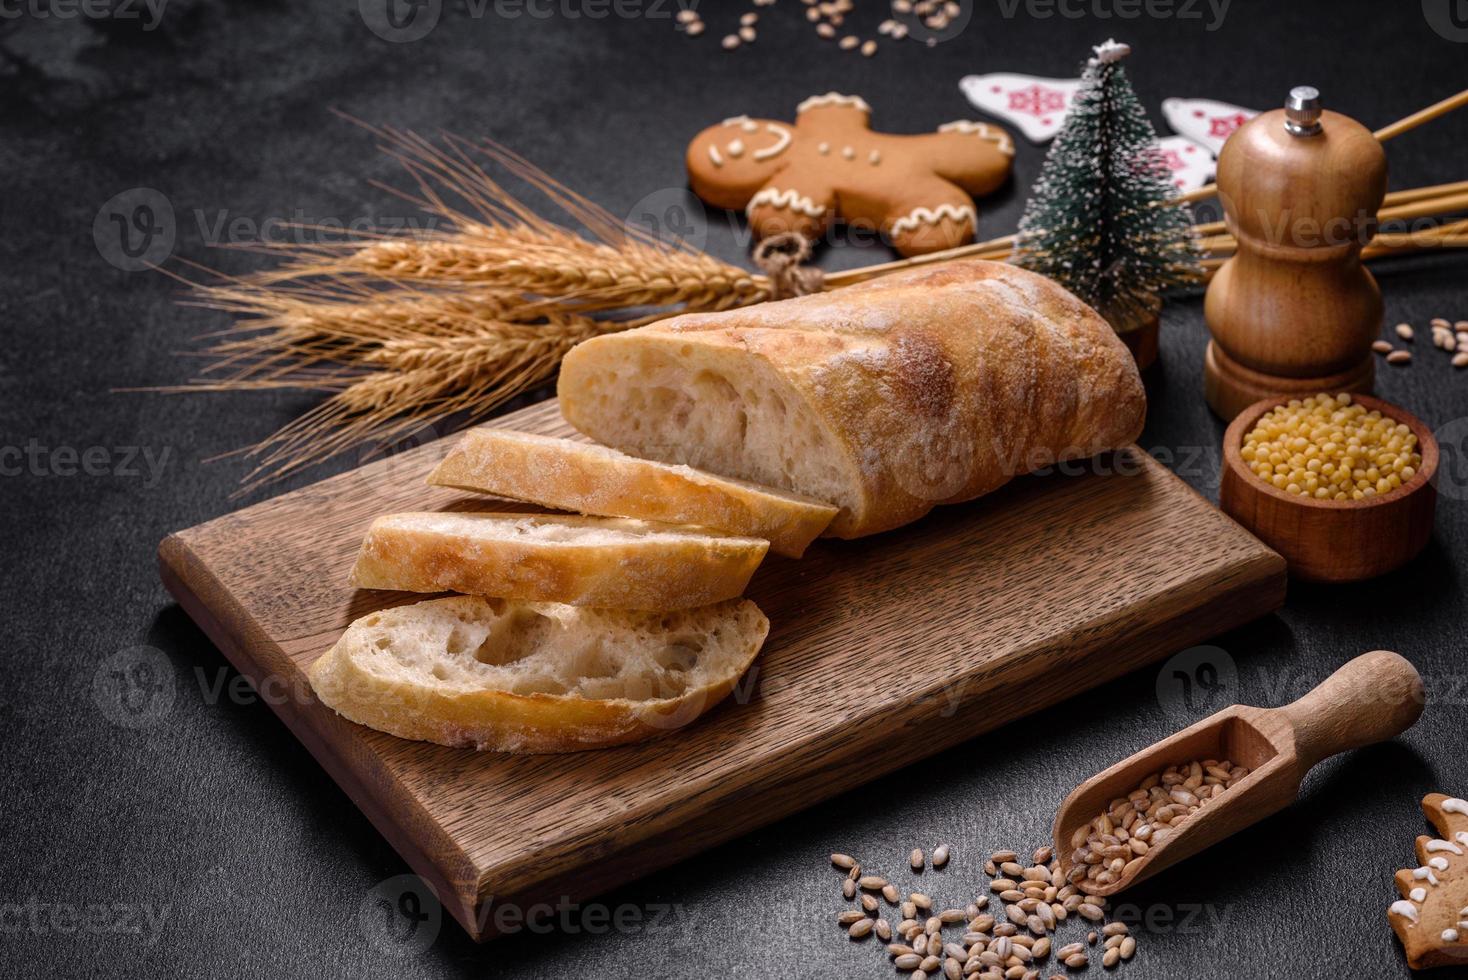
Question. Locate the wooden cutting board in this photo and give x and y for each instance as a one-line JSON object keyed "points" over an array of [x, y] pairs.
{"points": [[881, 651]]}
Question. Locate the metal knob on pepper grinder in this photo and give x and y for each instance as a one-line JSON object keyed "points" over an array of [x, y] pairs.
{"points": [[1294, 311], [1302, 112]]}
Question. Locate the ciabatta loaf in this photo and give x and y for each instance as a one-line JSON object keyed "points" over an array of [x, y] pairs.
{"points": [[535, 677], [886, 398], [590, 479], [584, 561]]}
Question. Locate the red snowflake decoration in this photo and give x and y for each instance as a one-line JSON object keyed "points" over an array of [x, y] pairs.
{"points": [[1037, 100], [1223, 126]]}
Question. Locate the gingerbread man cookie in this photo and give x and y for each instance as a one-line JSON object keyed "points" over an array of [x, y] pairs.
{"points": [[829, 163], [1431, 917]]}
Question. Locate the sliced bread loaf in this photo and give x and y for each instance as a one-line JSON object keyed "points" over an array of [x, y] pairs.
{"points": [[584, 561], [591, 479], [933, 385], [535, 677]]}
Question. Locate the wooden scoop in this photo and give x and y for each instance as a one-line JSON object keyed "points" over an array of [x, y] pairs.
{"points": [[1374, 697]]}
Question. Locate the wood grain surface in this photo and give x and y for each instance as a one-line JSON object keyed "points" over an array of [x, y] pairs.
{"points": [[1294, 310], [1374, 697], [882, 651], [1333, 540]]}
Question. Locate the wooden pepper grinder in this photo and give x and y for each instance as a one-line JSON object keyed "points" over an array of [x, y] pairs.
{"points": [[1294, 312]]}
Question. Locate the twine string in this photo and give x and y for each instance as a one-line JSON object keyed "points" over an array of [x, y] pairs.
{"points": [[782, 257]]}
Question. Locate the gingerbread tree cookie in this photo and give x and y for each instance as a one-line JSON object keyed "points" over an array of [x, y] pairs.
{"points": [[829, 163], [1431, 917]]}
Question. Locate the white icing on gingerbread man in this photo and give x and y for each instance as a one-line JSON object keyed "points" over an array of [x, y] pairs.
{"points": [[830, 164]]}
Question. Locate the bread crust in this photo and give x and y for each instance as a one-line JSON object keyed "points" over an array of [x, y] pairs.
{"points": [[347, 680], [590, 479], [931, 386], [582, 561]]}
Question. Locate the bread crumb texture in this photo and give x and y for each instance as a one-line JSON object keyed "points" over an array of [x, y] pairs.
{"points": [[494, 673], [931, 386]]}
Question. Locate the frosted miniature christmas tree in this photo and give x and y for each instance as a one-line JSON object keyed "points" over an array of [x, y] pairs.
{"points": [[1103, 219]]}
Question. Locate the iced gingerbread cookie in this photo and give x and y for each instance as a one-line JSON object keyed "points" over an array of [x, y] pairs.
{"points": [[800, 177], [1431, 917]]}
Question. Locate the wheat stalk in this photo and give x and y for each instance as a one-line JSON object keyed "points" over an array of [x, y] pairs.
{"points": [[440, 327], [407, 331], [411, 383], [588, 275], [495, 242]]}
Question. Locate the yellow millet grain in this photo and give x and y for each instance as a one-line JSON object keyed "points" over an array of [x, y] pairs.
{"points": [[1329, 448]]}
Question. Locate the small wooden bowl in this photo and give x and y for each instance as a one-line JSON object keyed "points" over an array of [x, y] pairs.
{"points": [[1142, 341], [1332, 540]]}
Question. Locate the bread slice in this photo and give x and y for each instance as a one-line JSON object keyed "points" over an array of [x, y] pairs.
{"points": [[933, 385], [591, 479], [584, 561], [536, 676]]}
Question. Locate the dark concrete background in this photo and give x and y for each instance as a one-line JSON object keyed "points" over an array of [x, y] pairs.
{"points": [[214, 819]]}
